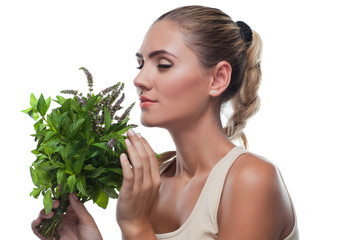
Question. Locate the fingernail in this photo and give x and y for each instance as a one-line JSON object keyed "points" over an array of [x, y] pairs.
{"points": [[123, 156], [75, 197], [131, 132], [127, 142]]}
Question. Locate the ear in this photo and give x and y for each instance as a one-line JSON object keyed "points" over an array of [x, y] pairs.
{"points": [[221, 78]]}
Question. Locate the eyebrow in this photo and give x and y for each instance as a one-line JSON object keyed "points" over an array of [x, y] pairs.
{"points": [[155, 53]]}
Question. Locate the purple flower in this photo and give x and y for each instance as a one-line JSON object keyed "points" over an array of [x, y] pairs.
{"points": [[74, 92], [111, 143]]}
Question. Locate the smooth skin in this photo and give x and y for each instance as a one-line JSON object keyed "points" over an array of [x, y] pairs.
{"points": [[254, 204]]}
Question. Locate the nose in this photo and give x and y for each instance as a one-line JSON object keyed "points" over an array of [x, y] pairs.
{"points": [[142, 81]]}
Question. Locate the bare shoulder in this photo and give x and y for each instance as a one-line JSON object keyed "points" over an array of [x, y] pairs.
{"points": [[254, 196], [250, 170]]}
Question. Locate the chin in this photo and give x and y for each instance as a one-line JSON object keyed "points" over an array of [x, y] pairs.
{"points": [[147, 123], [151, 122]]}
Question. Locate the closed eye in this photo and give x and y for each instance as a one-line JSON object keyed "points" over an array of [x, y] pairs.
{"points": [[164, 65]]}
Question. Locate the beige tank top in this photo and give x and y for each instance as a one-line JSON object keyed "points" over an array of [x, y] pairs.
{"points": [[202, 222]]}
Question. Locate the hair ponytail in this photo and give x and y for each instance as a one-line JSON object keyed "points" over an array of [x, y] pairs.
{"points": [[246, 102]]}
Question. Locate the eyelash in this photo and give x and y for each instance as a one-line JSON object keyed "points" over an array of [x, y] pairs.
{"points": [[159, 66], [164, 65]]}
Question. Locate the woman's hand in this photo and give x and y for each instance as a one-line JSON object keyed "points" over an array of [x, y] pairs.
{"points": [[139, 190], [78, 223]]}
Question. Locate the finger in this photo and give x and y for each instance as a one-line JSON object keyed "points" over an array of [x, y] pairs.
{"points": [[34, 228], [136, 140], [43, 215], [128, 176], [137, 145], [36, 222], [145, 156], [56, 204], [154, 167], [79, 209], [136, 160]]}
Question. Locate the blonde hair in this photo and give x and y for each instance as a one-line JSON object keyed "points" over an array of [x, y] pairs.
{"points": [[215, 37], [246, 101]]}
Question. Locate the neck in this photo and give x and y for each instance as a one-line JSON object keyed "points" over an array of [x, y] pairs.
{"points": [[199, 145]]}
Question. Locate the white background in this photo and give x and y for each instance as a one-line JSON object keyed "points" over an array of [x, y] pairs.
{"points": [[307, 125]]}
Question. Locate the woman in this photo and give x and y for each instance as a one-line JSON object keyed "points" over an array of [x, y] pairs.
{"points": [[192, 61]]}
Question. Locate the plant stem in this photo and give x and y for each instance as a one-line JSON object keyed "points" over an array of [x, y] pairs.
{"points": [[49, 227]]}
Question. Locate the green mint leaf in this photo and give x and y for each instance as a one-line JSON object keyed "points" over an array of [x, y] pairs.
{"points": [[75, 105], [71, 181], [42, 106], [81, 186], [58, 120], [27, 110], [36, 192], [74, 127], [78, 164], [101, 145], [51, 119], [95, 153], [38, 124], [48, 203], [60, 176], [95, 173], [43, 177], [111, 192], [91, 102], [60, 99], [57, 193], [33, 101], [107, 119], [33, 114], [102, 199], [124, 130], [35, 151], [48, 102], [65, 151], [64, 187], [110, 180], [89, 167], [34, 177], [115, 170], [48, 135]]}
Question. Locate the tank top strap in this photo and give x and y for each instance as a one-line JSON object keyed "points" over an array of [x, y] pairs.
{"points": [[213, 188]]}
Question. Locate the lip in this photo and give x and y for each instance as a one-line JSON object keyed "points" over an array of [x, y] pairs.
{"points": [[145, 99], [146, 102]]}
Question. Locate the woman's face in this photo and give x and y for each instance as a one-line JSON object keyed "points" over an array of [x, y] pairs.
{"points": [[173, 85]]}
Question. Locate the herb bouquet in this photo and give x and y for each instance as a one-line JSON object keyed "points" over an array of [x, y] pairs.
{"points": [[78, 149]]}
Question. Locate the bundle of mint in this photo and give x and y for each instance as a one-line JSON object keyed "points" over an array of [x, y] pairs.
{"points": [[78, 148]]}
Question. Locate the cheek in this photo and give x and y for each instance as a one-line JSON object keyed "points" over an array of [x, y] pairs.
{"points": [[182, 85], [184, 96]]}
